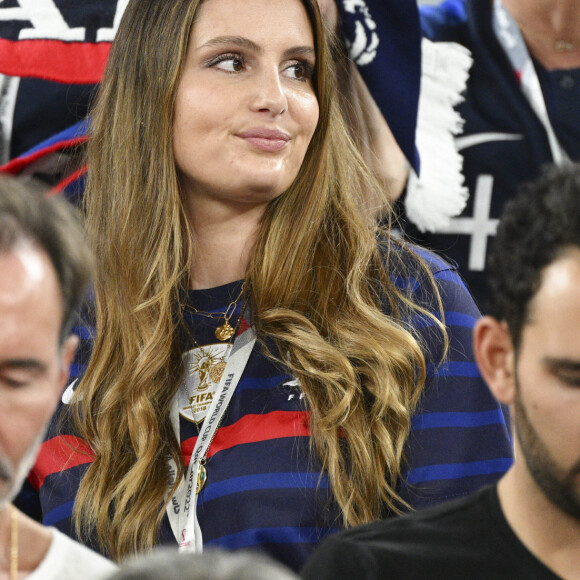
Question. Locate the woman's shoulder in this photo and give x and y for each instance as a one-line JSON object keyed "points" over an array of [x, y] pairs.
{"points": [[410, 263], [436, 263], [428, 277]]}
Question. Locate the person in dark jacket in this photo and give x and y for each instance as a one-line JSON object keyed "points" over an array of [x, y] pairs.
{"points": [[521, 111]]}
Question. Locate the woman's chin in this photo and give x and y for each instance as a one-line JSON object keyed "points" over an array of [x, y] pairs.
{"points": [[263, 190]]}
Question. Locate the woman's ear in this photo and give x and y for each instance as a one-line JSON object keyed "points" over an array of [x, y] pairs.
{"points": [[494, 353]]}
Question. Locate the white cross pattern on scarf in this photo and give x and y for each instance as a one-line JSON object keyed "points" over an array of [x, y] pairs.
{"points": [[480, 226]]}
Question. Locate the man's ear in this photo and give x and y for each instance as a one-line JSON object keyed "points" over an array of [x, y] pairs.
{"points": [[68, 349], [494, 353]]}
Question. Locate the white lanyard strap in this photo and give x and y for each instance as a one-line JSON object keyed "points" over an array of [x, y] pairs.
{"points": [[510, 37], [181, 510]]}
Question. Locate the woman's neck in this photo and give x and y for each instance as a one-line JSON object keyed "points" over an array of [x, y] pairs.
{"points": [[551, 29], [224, 237]]}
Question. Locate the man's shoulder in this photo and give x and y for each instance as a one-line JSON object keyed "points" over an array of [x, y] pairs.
{"points": [[449, 541], [457, 515], [68, 560]]}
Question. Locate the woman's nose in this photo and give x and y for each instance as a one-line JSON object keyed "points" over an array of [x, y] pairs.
{"points": [[270, 95]]}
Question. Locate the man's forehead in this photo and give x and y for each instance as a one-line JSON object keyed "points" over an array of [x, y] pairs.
{"points": [[24, 268], [553, 317], [559, 287], [30, 293], [564, 271]]}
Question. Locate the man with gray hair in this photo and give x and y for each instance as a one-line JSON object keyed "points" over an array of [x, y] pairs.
{"points": [[45, 267], [212, 564]]}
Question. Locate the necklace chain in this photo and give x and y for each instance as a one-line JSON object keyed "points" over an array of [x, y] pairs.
{"points": [[225, 331], [564, 46], [560, 45], [13, 543]]}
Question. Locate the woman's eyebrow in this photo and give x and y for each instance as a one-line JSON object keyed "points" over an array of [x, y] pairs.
{"points": [[300, 50], [246, 43], [240, 41]]}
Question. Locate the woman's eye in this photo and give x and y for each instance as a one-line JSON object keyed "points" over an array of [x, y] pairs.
{"points": [[301, 71], [229, 63]]}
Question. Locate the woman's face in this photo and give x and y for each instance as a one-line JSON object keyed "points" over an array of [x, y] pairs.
{"points": [[245, 109]]}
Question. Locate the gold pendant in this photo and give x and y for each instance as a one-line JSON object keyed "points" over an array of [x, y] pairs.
{"points": [[224, 332], [201, 478], [564, 46], [216, 372]]}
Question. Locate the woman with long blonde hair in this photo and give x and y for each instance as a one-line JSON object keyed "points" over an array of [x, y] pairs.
{"points": [[269, 364]]}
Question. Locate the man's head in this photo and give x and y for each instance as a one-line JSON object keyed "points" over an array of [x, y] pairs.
{"points": [[528, 350], [45, 267]]}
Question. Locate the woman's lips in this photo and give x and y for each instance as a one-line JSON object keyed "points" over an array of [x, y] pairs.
{"points": [[266, 139]]}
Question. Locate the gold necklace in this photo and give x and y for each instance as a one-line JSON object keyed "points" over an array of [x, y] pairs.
{"points": [[564, 46], [13, 543], [223, 332], [226, 330], [216, 370], [560, 45], [209, 366]]}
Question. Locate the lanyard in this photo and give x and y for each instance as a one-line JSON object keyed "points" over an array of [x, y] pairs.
{"points": [[181, 510], [510, 37]]}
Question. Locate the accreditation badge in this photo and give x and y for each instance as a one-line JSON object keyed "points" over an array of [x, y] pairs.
{"points": [[204, 367]]}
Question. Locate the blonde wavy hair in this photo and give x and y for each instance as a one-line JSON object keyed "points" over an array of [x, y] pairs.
{"points": [[319, 289]]}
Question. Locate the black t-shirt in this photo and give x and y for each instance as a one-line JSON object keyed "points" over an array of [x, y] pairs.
{"points": [[467, 538]]}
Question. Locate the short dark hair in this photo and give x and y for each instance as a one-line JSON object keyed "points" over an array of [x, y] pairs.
{"points": [[536, 227], [26, 213]]}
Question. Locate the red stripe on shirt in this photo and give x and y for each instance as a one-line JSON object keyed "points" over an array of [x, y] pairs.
{"points": [[54, 60], [59, 454], [254, 428]]}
